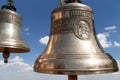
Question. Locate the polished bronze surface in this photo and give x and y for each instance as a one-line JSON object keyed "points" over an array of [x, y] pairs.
{"points": [[10, 33], [73, 47]]}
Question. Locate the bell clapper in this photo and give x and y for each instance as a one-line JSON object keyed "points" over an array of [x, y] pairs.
{"points": [[6, 55], [72, 77]]}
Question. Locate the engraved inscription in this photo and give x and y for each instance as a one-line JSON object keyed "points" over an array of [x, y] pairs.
{"points": [[71, 13], [85, 14], [63, 26], [79, 22]]}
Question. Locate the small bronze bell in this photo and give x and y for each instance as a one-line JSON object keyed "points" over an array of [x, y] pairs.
{"points": [[73, 47], [10, 31]]}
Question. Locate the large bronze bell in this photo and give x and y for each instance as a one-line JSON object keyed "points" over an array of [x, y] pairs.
{"points": [[73, 47], [10, 31]]}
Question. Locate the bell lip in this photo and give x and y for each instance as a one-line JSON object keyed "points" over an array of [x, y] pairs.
{"points": [[75, 71], [14, 46], [15, 49], [70, 72]]}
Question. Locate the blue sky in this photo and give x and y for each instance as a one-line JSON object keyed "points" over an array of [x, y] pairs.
{"points": [[36, 28]]}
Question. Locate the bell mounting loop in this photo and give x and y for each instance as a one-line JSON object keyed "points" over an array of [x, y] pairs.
{"points": [[9, 5], [62, 2], [70, 1]]}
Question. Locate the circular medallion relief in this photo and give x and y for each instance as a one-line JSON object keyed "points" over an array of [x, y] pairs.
{"points": [[82, 30]]}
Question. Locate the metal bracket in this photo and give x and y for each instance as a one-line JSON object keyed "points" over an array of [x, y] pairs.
{"points": [[62, 2], [9, 5]]}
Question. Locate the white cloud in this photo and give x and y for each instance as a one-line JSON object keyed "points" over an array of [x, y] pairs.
{"points": [[116, 44], [16, 59], [103, 40], [17, 69], [27, 30], [104, 37], [114, 31], [110, 28], [15, 64], [44, 40], [108, 76]]}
